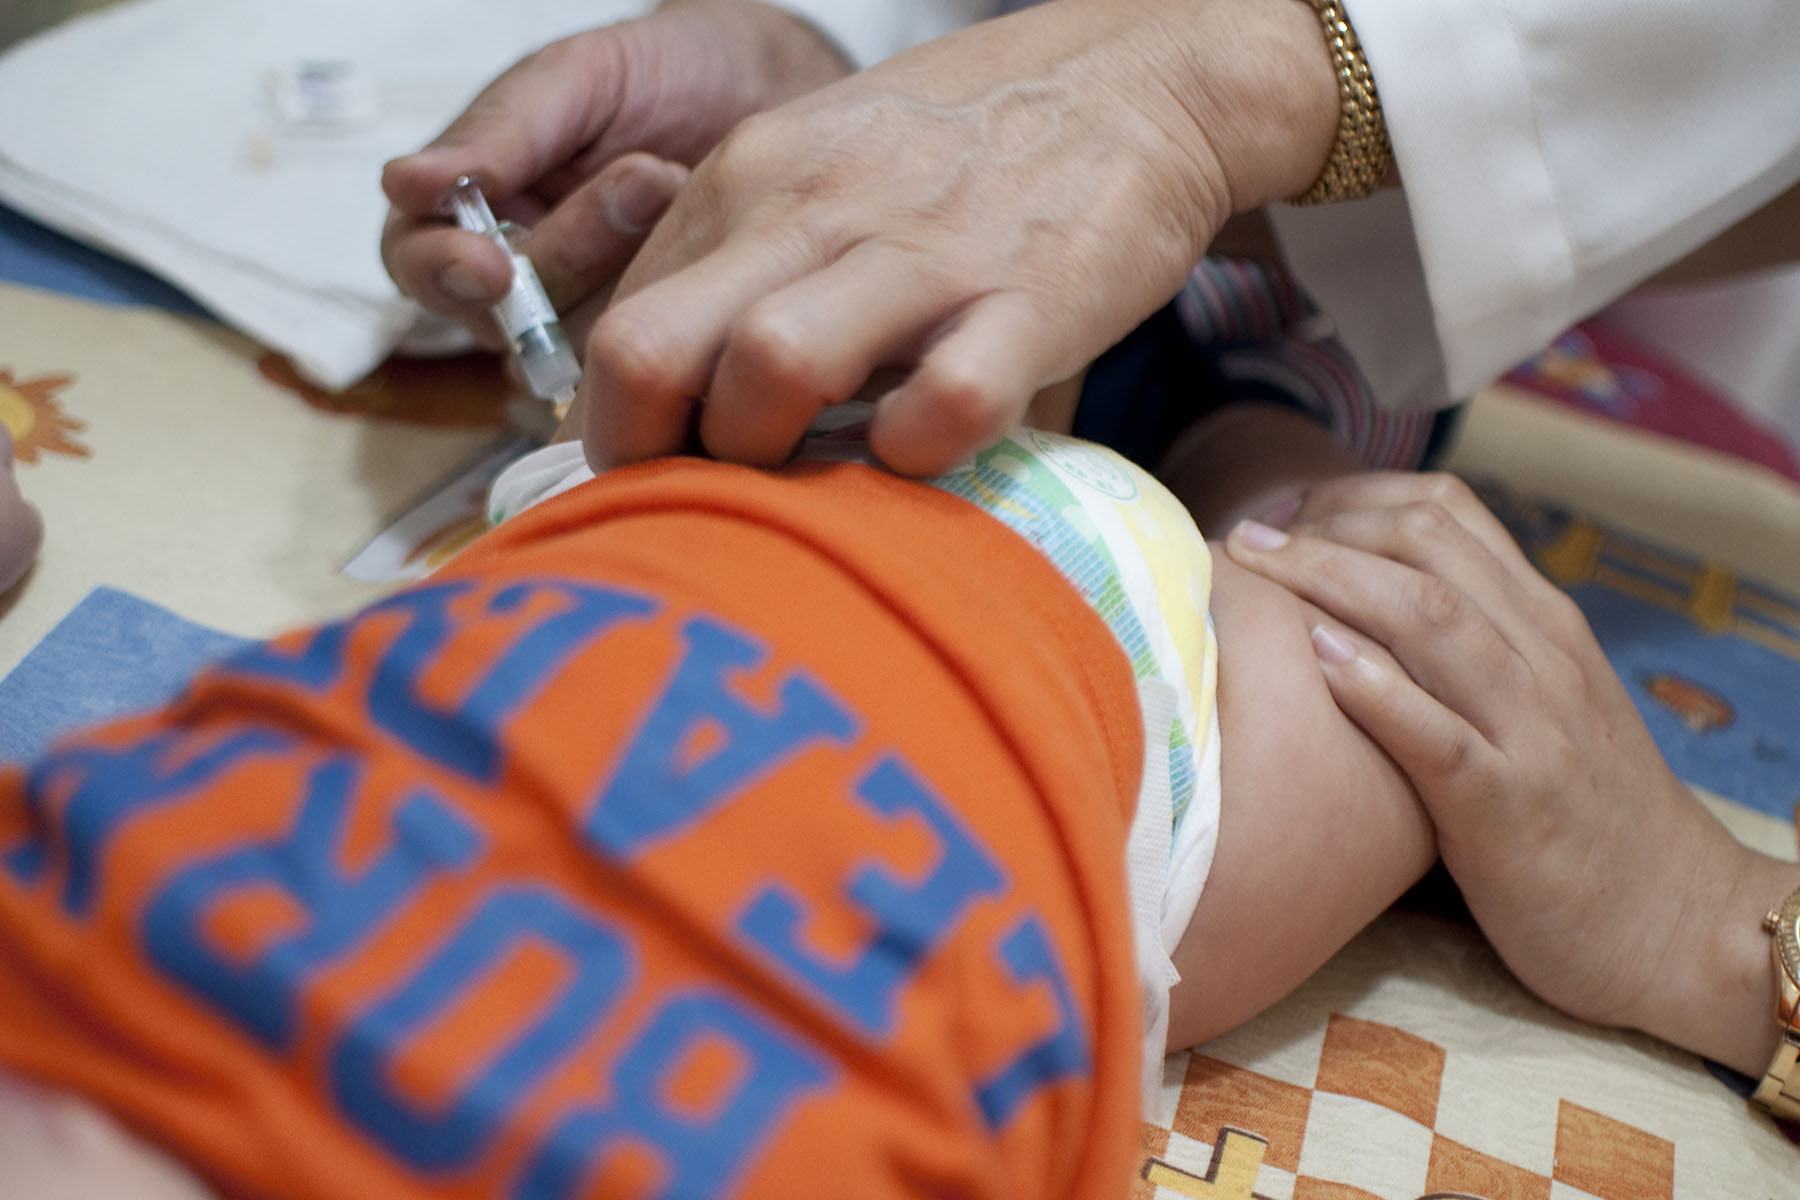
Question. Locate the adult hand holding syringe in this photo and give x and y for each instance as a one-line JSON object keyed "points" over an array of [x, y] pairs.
{"points": [[586, 143], [526, 317]]}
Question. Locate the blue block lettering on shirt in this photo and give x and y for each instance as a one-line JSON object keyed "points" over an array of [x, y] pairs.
{"points": [[654, 794], [703, 1154], [263, 993], [910, 921], [467, 737], [316, 665], [463, 1130], [105, 787], [1060, 1054]]}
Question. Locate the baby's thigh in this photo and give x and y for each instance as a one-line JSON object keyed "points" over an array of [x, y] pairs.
{"points": [[54, 1146], [1318, 830]]}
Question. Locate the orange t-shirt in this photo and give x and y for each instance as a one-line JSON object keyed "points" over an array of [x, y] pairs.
{"points": [[702, 832]]}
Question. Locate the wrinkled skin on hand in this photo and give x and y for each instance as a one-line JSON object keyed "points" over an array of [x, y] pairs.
{"points": [[985, 213], [586, 142]]}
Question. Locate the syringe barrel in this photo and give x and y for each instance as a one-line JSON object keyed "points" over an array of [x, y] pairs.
{"points": [[525, 313], [548, 362]]}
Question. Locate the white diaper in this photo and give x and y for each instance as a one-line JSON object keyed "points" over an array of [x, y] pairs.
{"points": [[1133, 551]]}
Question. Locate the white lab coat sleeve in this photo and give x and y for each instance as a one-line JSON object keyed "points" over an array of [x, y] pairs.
{"points": [[1553, 154], [868, 31]]}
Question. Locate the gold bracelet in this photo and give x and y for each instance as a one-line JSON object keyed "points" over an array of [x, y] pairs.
{"points": [[1361, 157]]}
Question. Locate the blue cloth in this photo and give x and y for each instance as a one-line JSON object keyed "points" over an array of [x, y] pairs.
{"points": [[1722, 704], [35, 256], [112, 654]]}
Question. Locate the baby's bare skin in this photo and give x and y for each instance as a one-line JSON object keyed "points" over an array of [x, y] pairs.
{"points": [[21, 528]]}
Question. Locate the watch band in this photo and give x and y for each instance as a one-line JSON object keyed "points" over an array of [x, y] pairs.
{"points": [[1779, 1091], [1362, 156]]}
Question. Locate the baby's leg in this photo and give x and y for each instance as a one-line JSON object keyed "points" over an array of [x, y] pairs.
{"points": [[21, 529], [1318, 830], [1250, 460]]}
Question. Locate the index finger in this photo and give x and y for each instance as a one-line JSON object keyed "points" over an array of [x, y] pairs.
{"points": [[523, 125], [447, 269], [1436, 631], [1394, 489]]}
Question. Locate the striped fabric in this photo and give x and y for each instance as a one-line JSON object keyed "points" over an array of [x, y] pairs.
{"points": [[1268, 342]]}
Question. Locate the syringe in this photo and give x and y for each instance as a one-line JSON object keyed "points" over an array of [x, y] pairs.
{"points": [[525, 313]]}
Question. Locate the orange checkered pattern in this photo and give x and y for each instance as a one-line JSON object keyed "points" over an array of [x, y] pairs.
{"points": [[1366, 1130]]}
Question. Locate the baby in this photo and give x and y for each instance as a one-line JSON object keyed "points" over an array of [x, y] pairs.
{"points": [[703, 831]]}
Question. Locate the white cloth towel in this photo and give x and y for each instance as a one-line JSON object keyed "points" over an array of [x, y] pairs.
{"points": [[151, 131]]}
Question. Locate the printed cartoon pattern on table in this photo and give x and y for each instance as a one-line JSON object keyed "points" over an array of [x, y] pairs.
{"points": [[1711, 658], [32, 413], [1241, 1135], [464, 391], [1609, 374]]}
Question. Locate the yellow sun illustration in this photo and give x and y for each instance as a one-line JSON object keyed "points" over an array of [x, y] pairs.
{"points": [[31, 414]]}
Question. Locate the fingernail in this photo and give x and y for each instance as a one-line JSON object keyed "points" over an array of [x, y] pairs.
{"points": [[413, 162], [463, 285], [1332, 647], [1258, 536], [633, 204]]}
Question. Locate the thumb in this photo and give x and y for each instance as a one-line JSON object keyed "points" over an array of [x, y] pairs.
{"points": [[524, 124], [581, 245]]}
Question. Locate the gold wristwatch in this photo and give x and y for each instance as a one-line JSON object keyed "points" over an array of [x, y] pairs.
{"points": [[1779, 1091], [1361, 155]]}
